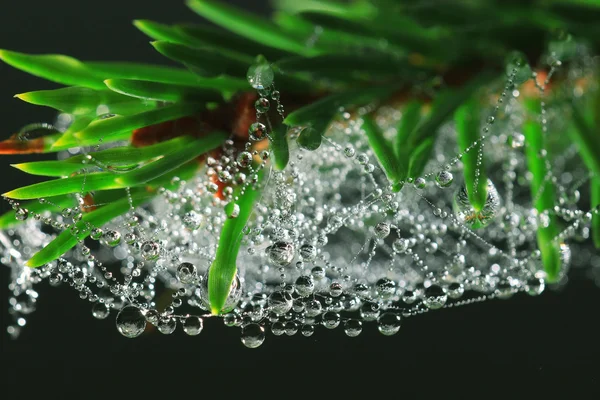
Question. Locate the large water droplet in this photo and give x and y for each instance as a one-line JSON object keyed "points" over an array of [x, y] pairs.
{"points": [[389, 323], [253, 335], [352, 327], [186, 273], [282, 253], [471, 217], [192, 325], [235, 293], [444, 179], [260, 76], [435, 297], [257, 131], [100, 311], [131, 322], [280, 302]]}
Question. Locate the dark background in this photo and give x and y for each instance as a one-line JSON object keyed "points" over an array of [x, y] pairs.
{"points": [[557, 331]]}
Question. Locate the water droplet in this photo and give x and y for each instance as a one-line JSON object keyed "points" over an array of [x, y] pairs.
{"points": [[369, 311], [389, 323], [96, 233], [130, 238], [278, 328], [308, 252], [331, 320], [232, 319], [150, 250], [192, 220], [253, 335], [385, 288], [336, 289], [186, 273], [504, 289], [362, 159], [382, 230], [352, 328], [244, 159], [262, 105], [349, 151], [535, 286], [260, 76], [112, 238], [193, 325], [517, 67], [232, 210], [420, 183], [131, 322], [291, 328], [79, 277], [305, 285], [409, 296], [257, 131], [307, 330], [235, 293], [280, 302], [152, 316], [435, 297], [444, 179], [313, 308], [400, 245], [318, 272], [21, 214], [472, 217], [455, 290], [166, 325], [282, 253], [100, 311]]}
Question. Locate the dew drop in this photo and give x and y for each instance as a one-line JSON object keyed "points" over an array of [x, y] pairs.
{"points": [[192, 325], [235, 293], [389, 323], [280, 302], [253, 335], [112, 238], [262, 105], [21, 214], [282, 253], [131, 322], [444, 179], [435, 297], [257, 131], [260, 76], [150, 250], [331, 320], [186, 273], [100, 311], [166, 325]]}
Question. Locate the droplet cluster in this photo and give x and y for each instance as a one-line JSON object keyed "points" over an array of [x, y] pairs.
{"points": [[329, 245]]}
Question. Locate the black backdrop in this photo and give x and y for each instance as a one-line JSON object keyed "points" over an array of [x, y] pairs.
{"points": [[554, 331]]}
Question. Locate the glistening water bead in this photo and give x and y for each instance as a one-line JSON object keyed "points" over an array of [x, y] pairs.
{"points": [[257, 131], [192, 325], [131, 321], [233, 298], [444, 179], [260, 76], [253, 335], [389, 323], [186, 272], [282, 253], [472, 217]]}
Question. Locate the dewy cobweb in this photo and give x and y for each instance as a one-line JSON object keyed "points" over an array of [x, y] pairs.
{"points": [[328, 244]]}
